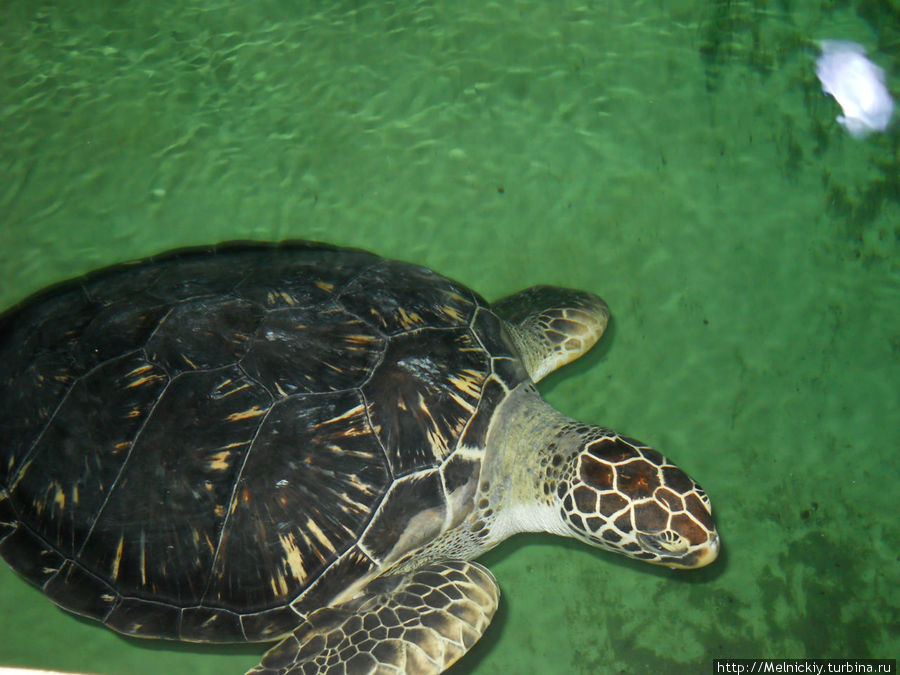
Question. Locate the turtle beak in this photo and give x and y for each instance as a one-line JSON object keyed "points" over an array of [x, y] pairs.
{"points": [[699, 557], [709, 553]]}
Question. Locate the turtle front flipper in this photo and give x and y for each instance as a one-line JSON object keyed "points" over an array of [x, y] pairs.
{"points": [[552, 326], [415, 623]]}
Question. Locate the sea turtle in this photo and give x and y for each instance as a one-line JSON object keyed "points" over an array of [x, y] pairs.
{"points": [[308, 444]]}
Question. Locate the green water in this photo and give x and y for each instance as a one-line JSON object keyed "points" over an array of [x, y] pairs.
{"points": [[677, 158]]}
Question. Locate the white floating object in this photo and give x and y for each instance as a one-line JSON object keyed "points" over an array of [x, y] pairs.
{"points": [[857, 85]]}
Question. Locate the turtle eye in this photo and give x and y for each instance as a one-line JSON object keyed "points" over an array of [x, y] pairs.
{"points": [[663, 544]]}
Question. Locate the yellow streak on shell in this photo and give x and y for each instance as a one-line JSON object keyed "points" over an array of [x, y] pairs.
{"points": [[325, 286], [452, 312], [353, 412], [143, 380], [408, 320], [118, 559], [219, 461], [293, 557], [252, 412], [468, 382], [319, 535]]}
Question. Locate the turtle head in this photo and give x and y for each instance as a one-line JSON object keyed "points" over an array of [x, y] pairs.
{"points": [[626, 497]]}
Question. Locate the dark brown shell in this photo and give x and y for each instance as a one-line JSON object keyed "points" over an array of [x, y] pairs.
{"points": [[206, 444]]}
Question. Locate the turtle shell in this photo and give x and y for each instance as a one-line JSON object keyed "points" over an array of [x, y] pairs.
{"points": [[208, 444]]}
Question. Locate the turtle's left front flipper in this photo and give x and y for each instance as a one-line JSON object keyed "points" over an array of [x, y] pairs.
{"points": [[416, 623], [552, 326]]}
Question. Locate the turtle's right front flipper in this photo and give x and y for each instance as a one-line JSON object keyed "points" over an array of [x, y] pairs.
{"points": [[416, 623]]}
